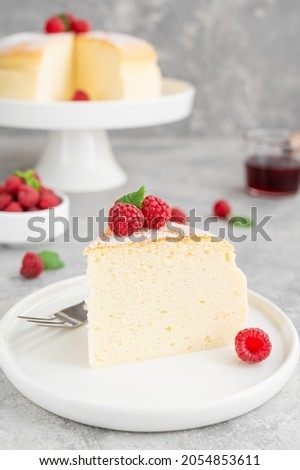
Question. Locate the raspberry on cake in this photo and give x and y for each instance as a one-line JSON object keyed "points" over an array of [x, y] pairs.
{"points": [[80, 26], [55, 24], [156, 212], [125, 219], [80, 95], [68, 20], [161, 294], [178, 215]]}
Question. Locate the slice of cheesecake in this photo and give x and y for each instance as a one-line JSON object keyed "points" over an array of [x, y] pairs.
{"points": [[162, 295], [112, 66], [37, 67]]}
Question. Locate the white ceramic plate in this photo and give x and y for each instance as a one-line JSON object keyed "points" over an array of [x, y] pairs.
{"points": [[50, 367]]}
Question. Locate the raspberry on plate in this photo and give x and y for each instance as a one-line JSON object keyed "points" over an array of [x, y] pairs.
{"points": [[32, 265], [54, 25], [28, 196], [125, 219], [222, 209], [177, 215], [156, 212], [5, 199], [13, 184], [14, 206], [252, 345], [80, 26]]}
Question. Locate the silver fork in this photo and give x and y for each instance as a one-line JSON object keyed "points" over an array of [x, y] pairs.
{"points": [[70, 317]]}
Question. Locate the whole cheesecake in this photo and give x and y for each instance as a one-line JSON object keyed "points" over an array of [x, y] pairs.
{"points": [[161, 294], [50, 67]]}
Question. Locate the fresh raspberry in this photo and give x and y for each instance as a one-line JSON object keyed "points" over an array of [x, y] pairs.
{"points": [[33, 208], [13, 184], [222, 209], [32, 265], [54, 25], [5, 199], [156, 212], [45, 190], [70, 17], [80, 95], [2, 189], [252, 345], [81, 26], [177, 215], [28, 196], [14, 206], [125, 219], [48, 199]]}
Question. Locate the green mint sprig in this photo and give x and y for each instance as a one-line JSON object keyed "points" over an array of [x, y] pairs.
{"points": [[51, 260], [136, 198], [240, 221], [29, 178], [66, 20]]}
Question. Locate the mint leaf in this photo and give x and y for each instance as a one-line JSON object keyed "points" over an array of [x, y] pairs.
{"points": [[240, 221], [136, 198], [33, 182], [66, 20], [51, 259], [29, 178], [28, 173], [18, 173], [24, 174]]}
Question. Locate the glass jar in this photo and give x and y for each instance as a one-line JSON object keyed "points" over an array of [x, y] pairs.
{"points": [[271, 166]]}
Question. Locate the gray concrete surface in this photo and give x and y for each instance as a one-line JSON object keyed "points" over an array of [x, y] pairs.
{"points": [[189, 173]]}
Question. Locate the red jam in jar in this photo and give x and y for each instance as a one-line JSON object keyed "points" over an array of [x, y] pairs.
{"points": [[273, 176], [271, 169]]}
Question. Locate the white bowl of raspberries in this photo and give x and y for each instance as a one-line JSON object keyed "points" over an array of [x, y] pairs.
{"points": [[28, 210]]}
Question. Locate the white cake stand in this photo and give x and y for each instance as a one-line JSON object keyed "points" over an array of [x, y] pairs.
{"points": [[78, 156]]}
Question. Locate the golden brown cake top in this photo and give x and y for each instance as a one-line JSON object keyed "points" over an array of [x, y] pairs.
{"points": [[27, 43], [129, 47], [177, 232]]}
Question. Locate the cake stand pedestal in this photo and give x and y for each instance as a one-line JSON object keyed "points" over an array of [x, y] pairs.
{"points": [[78, 156], [79, 161]]}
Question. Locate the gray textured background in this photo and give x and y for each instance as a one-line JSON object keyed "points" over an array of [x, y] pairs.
{"points": [[242, 55]]}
